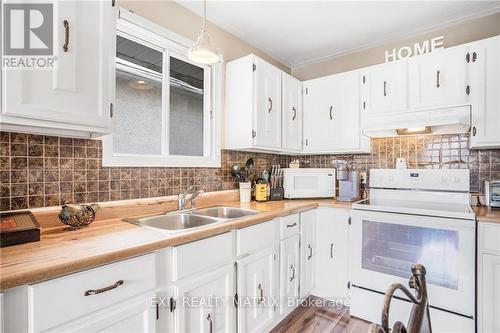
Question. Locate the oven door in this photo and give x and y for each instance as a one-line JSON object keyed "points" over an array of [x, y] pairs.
{"points": [[385, 245]]}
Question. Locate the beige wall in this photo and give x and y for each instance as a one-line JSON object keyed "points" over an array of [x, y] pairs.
{"points": [[465, 32], [178, 19]]}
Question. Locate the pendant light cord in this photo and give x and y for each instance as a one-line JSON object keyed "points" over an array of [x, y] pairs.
{"points": [[204, 13]]}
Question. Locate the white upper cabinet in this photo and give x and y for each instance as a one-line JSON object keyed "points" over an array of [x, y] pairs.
{"points": [[253, 105], [319, 132], [438, 79], [332, 115], [76, 95], [384, 87], [484, 72], [291, 116], [267, 116]]}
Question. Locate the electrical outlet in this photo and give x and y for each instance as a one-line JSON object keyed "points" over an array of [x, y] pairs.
{"points": [[363, 177]]}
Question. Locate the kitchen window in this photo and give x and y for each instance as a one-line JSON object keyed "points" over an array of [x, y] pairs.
{"points": [[166, 110]]}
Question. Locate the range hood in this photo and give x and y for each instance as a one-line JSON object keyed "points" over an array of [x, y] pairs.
{"points": [[440, 121]]}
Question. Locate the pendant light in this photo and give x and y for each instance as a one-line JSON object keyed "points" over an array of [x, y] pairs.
{"points": [[203, 52]]}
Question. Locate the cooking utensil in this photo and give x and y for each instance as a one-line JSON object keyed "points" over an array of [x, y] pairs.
{"points": [[235, 171]]}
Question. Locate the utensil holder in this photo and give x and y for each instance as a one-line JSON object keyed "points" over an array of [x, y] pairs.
{"points": [[245, 191], [277, 193]]}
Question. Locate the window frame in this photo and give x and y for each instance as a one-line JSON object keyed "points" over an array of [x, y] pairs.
{"points": [[141, 30]]}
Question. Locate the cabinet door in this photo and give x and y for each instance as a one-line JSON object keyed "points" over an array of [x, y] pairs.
{"points": [[79, 90], [346, 113], [438, 79], [384, 87], [292, 113], [205, 302], [332, 244], [307, 252], [267, 105], [489, 293], [256, 291], [289, 273], [319, 132], [484, 69]]}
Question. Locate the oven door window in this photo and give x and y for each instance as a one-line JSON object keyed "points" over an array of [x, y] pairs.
{"points": [[393, 248]]}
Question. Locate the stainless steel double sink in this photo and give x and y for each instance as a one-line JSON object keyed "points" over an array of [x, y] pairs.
{"points": [[184, 220]]}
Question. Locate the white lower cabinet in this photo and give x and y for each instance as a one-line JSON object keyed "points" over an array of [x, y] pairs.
{"points": [[289, 273], [205, 302], [257, 291], [332, 246], [488, 297], [307, 251]]}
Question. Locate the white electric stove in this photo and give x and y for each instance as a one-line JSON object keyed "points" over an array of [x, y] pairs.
{"points": [[415, 216]]}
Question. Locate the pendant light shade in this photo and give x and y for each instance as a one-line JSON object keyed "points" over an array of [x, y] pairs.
{"points": [[203, 52]]}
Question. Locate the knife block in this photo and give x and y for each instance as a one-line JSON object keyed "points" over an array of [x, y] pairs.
{"points": [[277, 193]]}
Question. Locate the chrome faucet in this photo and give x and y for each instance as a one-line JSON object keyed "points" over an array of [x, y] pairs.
{"points": [[182, 201]]}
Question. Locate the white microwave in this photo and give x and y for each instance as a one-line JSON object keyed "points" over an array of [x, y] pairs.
{"points": [[309, 183]]}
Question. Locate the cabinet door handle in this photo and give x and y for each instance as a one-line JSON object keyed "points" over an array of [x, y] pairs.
{"points": [[310, 251], [91, 292], [270, 108], [294, 113], [474, 131], [331, 115], [438, 79], [474, 56], [331, 250], [291, 225], [66, 35], [385, 88], [210, 322], [261, 296], [292, 268]]}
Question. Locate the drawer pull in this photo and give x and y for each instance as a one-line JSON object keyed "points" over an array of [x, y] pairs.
{"points": [[438, 79], [291, 225], [293, 273], [66, 35], [270, 108], [385, 88], [294, 113], [331, 250], [102, 290], [261, 297]]}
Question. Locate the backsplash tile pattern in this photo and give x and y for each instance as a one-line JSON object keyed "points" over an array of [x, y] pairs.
{"points": [[38, 171], [423, 152]]}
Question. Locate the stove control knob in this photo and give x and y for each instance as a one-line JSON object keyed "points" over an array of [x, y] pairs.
{"points": [[391, 178], [444, 179], [456, 179]]}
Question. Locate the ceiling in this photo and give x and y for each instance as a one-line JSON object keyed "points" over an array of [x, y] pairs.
{"points": [[300, 32]]}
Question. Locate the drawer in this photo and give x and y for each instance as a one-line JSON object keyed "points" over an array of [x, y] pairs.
{"points": [[256, 237], [201, 255], [64, 299], [289, 225], [489, 236]]}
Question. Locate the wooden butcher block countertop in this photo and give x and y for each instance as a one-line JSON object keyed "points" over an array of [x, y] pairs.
{"points": [[487, 214], [109, 238]]}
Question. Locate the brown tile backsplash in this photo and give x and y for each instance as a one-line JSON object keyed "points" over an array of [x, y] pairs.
{"points": [[38, 171]]}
